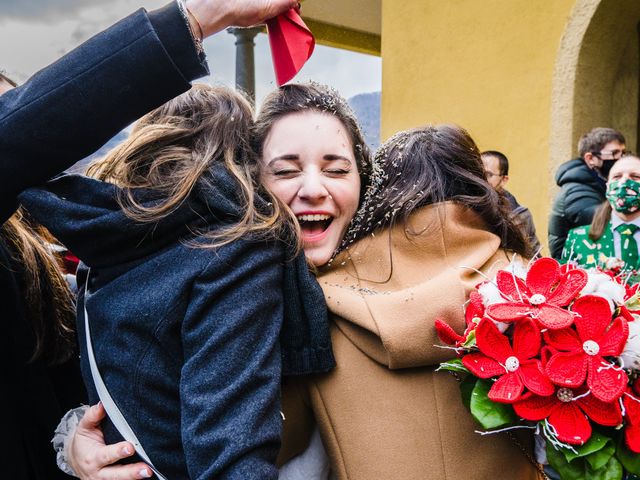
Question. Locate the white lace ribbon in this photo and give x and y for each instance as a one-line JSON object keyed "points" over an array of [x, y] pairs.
{"points": [[63, 435]]}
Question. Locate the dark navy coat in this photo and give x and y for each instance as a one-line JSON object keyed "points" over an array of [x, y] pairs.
{"points": [[62, 114], [185, 337]]}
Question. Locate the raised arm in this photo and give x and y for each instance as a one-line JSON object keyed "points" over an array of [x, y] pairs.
{"points": [[72, 107]]}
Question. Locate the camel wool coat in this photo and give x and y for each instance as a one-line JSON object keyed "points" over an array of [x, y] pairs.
{"points": [[383, 412]]}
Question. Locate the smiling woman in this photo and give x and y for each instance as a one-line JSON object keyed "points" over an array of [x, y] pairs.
{"points": [[309, 163], [314, 160]]}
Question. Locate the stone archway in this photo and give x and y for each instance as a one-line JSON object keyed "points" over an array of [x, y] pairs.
{"points": [[595, 79]]}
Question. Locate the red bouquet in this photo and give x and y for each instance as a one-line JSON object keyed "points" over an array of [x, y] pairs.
{"points": [[550, 348]]}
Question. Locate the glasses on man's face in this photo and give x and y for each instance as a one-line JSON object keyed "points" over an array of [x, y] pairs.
{"points": [[491, 174], [611, 154]]}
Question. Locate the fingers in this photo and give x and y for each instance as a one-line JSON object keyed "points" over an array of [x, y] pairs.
{"points": [[281, 6], [88, 455], [93, 417], [94, 461], [134, 471], [108, 454], [215, 15]]}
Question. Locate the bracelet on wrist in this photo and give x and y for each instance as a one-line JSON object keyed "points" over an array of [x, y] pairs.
{"points": [[187, 15]]}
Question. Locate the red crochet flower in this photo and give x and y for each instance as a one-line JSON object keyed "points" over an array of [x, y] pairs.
{"points": [[472, 315], [545, 291], [631, 401], [568, 413], [515, 366], [581, 351]]}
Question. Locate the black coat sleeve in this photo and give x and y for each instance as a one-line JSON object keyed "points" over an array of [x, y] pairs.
{"points": [[72, 107]]}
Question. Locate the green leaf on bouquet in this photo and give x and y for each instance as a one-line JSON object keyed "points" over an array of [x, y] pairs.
{"points": [[581, 469], [454, 365], [470, 341], [595, 444], [466, 389], [633, 303], [612, 470], [567, 470], [601, 457], [488, 413], [630, 460]]}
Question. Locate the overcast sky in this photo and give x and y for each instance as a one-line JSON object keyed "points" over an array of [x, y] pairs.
{"points": [[33, 33]]}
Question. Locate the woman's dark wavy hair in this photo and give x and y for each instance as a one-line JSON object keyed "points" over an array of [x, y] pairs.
{"points": [[435, 164]]}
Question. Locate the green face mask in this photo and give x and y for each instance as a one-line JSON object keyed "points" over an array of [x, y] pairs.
{"points": [[624, 196]]}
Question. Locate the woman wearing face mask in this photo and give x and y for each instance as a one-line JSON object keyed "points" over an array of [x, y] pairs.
{"points": [[612, 238]]}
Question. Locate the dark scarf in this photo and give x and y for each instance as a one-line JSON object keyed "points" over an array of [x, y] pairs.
{"points": [[305, 341]]}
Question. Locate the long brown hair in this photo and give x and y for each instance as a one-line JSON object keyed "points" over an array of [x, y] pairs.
{"points": [[430, 165], [48, 301], [601, 219], [170, 150]]}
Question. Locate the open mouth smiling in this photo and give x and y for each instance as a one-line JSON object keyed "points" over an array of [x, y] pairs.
{"points": [[314, 224]]}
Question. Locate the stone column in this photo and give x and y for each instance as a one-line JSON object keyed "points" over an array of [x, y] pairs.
{"points": [[245, 65]]}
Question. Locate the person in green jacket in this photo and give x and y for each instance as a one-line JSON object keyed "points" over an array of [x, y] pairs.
{"points": [[582, 184], [611, 240]]}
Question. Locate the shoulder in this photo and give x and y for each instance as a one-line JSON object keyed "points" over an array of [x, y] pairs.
{"points": [[571, 171], [238, 257]]}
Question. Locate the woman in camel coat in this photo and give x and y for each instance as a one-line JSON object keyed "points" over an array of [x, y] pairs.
{"points": [[384, 412]]}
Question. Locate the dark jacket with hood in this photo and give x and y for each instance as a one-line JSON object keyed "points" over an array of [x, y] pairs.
{"points": [[60, 115], [522, 217], [582, 191], [185, 337]]}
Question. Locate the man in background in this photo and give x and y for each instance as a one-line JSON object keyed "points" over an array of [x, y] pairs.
{"points": [[582, 183], [496, 167]]}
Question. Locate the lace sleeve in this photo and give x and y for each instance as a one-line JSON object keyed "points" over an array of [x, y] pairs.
{"points": [[63, 434]]}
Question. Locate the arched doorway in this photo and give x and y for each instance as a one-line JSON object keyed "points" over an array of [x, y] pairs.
{"points": [[596, 77]]}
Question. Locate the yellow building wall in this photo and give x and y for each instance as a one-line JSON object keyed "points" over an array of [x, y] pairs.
{"points": [[486, 65]]}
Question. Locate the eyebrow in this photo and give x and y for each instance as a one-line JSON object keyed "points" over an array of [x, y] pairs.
{"points": [[295, 157], [288, 156]]}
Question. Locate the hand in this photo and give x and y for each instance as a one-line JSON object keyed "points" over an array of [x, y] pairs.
{"points": [[92, 459], [216, 15]]}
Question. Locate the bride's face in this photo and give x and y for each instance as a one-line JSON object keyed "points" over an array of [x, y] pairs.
{"points": [[309, 164]]}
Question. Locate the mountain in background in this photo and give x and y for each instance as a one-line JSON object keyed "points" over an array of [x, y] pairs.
{"points": [[366, 106]]}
